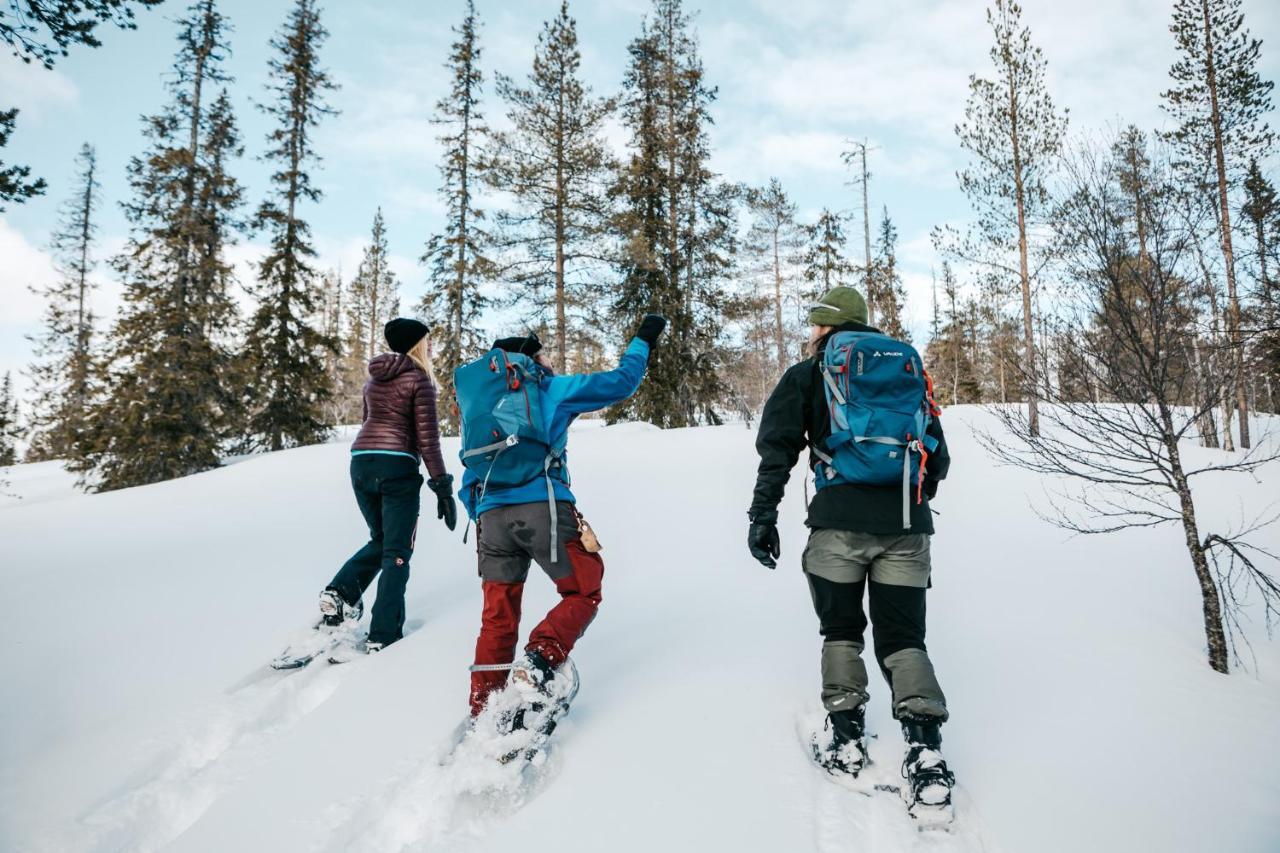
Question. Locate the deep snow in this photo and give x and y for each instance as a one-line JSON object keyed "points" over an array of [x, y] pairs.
{"points": [[136, 713]]}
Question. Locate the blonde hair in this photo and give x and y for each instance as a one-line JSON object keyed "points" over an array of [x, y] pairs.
{"points": [[421, 355]]}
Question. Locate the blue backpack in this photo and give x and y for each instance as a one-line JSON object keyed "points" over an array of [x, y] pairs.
{"points": [[504, 441], [881, 403]]}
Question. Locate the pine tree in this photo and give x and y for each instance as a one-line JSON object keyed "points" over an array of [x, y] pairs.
{"points": [[1219, 102], [343, 405], [675, 222], [772, 244], [825, 263], [950, 353], [284, 352], [10, 424], [1013, 132], [373, 298], [171, 405], [554, 162], [457, 260], [1261, 212], [63, 372], [887, 294]]}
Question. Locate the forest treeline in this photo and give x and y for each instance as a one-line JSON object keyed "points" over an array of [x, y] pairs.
{"points": [[548, 225]]}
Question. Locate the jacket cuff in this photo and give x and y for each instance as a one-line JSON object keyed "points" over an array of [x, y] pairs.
{"points": [[762, 516], [638, 347]]}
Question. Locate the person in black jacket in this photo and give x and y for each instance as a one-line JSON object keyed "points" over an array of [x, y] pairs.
{"points": [[858, 544]]}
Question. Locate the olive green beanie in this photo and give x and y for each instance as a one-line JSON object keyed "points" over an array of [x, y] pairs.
{"points": [[838, 306]]}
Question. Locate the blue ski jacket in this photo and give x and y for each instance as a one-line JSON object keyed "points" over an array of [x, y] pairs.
{"points": [[563, 399]]}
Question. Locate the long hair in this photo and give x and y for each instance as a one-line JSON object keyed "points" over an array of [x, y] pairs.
{"points": [[421, 355]]}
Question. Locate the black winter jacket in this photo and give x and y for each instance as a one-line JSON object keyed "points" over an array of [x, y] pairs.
{"points": [[795, 419]]}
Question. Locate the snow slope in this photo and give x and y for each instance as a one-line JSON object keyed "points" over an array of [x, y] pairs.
{"points": [[136, 714]]}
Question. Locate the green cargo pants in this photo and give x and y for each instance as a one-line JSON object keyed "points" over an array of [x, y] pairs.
{"points": [[894, 571]]}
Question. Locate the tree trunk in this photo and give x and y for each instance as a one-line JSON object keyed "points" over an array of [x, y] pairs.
{"points": [[778, 334], [1215, 635], [1033, 413], [866, 235], [1224, 230], [1208, 430], [561, 323]]}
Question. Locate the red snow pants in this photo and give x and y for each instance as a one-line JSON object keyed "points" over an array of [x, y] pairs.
{"points": [[509, 539]]}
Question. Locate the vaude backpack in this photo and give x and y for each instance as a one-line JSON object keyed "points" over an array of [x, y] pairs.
{"points": [[881, 403], [504, 441]]}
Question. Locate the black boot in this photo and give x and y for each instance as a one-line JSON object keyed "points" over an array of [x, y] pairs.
{"points": [[926, 772], [335, 610], [846, 752]]}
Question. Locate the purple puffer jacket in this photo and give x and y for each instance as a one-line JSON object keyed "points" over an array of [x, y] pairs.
{"points": [[400, 412]]}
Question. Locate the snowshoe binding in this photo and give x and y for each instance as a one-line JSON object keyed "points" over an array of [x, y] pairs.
{"points": [[841, 749], [929, 782], [545, 692], [334, 610]]}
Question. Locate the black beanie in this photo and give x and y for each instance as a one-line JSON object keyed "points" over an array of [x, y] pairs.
{"points": [[403, 334], [528, 345]]}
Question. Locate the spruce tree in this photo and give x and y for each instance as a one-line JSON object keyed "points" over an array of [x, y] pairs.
{"points": [[344, 403], [171, 403], [1014, 133], [887, 294], [675, 222], [825, 263], [1219, 102], [1261, 213], [10, 426], [288, 385], [773, 244], [457, 261], [554, 163], [373, 298], [62, 375]]}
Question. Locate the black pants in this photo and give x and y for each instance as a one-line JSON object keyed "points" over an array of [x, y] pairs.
{"points": [[897, 615], [387, 491]]}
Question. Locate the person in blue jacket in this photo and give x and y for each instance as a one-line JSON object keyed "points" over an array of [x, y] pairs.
{"points": [[515, 527]]}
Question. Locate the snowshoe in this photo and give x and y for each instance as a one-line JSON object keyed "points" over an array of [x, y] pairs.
{"points": [[929, 782], [842, 748], [318, 642]]}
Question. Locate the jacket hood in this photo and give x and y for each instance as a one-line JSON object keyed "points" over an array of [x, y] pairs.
{"points": [[389, 365]]}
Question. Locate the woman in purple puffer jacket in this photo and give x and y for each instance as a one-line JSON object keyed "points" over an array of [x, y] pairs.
{"points": [[400, 427]]}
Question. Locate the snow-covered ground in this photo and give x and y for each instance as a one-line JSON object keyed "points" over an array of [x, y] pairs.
{"points": [[136, 714]]}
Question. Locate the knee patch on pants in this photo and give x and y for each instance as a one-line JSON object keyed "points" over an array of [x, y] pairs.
{"points": [[916, 692], [844, 675]]}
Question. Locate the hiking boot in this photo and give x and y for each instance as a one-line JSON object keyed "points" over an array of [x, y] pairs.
{"points": [[533, 673], [925, 770], [336, 611], [846, 751]]}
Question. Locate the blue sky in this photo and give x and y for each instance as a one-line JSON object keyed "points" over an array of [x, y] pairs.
{"points": [[795, 80]]}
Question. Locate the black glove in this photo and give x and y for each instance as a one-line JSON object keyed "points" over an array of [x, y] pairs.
{"points": [[446, 507], [762, 538], [650, 327]]}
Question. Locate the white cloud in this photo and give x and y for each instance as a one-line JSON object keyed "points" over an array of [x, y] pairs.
{"points": [[38, 92]]}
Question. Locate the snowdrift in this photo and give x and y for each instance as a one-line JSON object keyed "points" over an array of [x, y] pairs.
{"points": [[136, 713]]}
